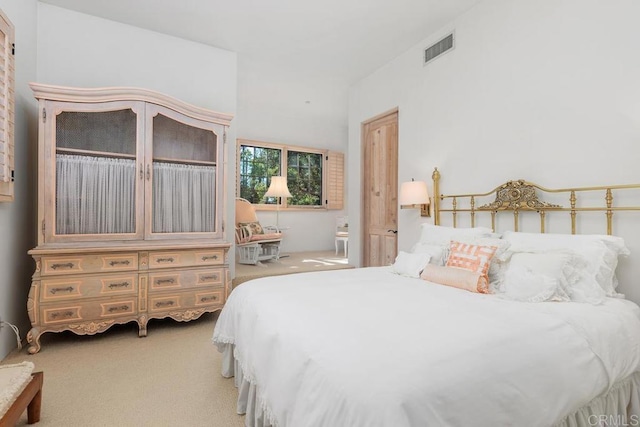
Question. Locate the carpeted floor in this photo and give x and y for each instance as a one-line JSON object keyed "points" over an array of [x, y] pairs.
{"points": [[294, 262], [170, 378]]}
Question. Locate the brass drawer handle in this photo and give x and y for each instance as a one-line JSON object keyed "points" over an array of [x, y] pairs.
{"points": [[67, 289], [125, 262], [64, 265], [161, 281], [208, 257], [164, 303], [205, 299], [119, 308], [170, 259], [61, 314], [207, 278], [119, 285]]}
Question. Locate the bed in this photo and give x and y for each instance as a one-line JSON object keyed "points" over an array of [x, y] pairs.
{"points": [[371, 347]]}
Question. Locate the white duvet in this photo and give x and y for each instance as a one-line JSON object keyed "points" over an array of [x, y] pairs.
{"points": [[366, 347]]}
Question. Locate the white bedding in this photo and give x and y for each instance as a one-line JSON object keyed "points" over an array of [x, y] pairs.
{"points": [[365, 347]]}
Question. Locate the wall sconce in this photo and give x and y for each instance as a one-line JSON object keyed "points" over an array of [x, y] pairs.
{"points": [[414, 195]]}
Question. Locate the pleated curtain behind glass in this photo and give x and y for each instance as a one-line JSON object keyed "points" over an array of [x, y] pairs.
{"points": [[183, 198], [94, 195]]}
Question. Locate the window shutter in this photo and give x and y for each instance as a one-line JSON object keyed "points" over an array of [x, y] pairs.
{"points": [[335, 180], [7, 71]]}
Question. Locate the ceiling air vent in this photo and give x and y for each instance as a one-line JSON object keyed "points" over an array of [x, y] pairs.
{"points": [[438, 48]]}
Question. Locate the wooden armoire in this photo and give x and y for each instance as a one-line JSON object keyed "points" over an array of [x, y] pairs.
{"points": [[130, 211]]}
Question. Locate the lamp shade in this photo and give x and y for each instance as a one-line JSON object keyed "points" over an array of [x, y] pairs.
{"points": [[414, 193], [278, 187]]}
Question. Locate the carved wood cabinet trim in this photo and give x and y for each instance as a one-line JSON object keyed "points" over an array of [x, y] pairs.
{"points": [[89, 278]]}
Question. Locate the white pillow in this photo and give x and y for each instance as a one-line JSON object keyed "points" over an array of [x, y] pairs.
{"points": [[437, 252], [569, 269], [410, 265], [601, 252], [441, 235], [523, 284], [537, 277]]}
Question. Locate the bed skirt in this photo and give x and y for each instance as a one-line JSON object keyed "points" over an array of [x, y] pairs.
{"points": [[250, 402], [620, 406]]}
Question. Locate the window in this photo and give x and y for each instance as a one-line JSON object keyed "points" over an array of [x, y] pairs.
{"points": [[257, 165], [314, 177], [304, 178], [7, 71]]}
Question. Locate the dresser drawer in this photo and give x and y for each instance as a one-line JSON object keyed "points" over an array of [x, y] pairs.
{"points": [[72, 264], [181, 279], [186, 258], [186, 299], [52, 314], [73, 287]]}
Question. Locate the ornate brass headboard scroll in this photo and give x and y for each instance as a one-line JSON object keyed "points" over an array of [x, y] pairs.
{"points": [[520, 195]]}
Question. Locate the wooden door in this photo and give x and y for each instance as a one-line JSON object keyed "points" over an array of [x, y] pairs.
{"points": [[380, 190]]}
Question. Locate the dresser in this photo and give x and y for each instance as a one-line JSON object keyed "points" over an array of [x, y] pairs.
{"points": [[130, 211]]}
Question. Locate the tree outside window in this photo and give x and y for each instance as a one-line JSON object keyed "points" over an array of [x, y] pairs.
{"points": [[257, 166], [304, 178]]}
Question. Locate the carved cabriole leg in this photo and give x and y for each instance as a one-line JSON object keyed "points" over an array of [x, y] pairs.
{"points": [[32, 303], [142, 325], [33, 338]]}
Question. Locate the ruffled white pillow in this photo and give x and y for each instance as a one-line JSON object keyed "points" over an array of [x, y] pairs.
{"points": [[600, 252], [410, 265], [551, 276], [523, 284]]}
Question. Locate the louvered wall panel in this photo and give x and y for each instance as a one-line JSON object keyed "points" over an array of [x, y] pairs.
{"points": [[7, 111], [335, 180]]}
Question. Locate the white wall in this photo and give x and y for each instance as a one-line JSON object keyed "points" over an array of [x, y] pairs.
{"points": [[546, 91], [17, 229], [272, 108], [270, 99], [76, 49]]}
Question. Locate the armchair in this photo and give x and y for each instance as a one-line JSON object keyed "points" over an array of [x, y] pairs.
{"points": [[254, 242]]}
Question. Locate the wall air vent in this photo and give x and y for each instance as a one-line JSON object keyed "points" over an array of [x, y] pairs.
{"points": [[437, 49]]}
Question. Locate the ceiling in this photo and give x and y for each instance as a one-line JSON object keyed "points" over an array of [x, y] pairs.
{"points": [[338, 41]]}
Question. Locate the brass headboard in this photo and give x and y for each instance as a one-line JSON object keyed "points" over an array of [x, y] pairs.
{"points": [[518, 196]]}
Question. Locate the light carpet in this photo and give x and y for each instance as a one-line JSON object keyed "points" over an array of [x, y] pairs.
{"points": [[170, 378], [289, 263]]}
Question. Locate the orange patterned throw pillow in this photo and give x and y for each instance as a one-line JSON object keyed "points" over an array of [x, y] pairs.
{"points": [[474, 258], [255, 227]]}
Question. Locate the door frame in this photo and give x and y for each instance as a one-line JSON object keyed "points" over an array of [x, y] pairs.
{"points": [[363, 216]]}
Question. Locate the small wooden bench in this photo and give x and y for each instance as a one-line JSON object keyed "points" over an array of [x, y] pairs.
{"points": [[30, 399]]}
